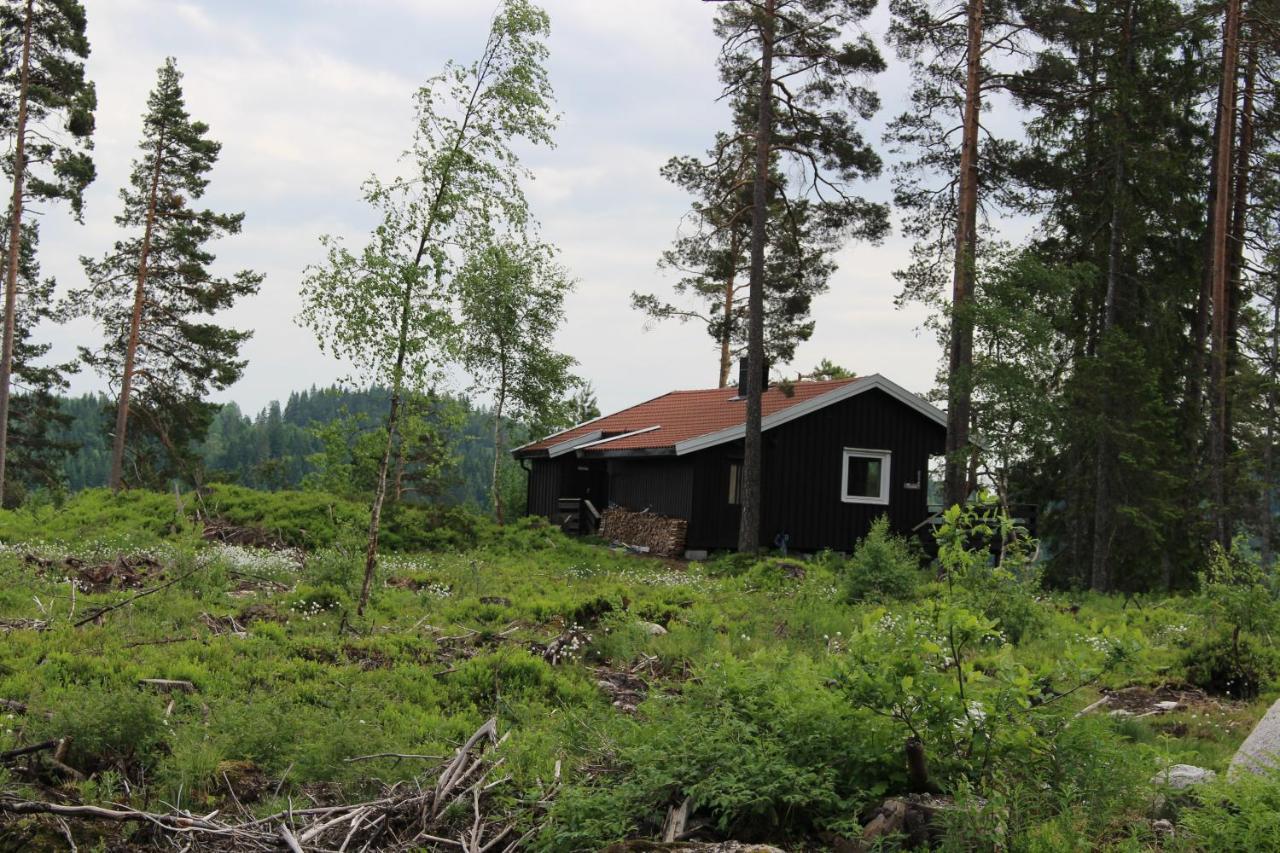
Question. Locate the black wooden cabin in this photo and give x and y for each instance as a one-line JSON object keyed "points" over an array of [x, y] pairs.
{"points": [[837, 455]]}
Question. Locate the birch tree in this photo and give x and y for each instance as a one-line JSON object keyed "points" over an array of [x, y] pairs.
{"points": [[511, 300], [150, 290], [386, 307], [46, 108]]}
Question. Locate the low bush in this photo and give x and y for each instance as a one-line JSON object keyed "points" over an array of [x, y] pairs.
{"points": [[882, 567]]}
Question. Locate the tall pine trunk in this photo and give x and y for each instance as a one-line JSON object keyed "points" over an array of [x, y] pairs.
{"points": [[726, 334], [753, 443], [1239, 226], [116, 477], [15, 242], [1102, 576], [959, 392], [1219, 274]]}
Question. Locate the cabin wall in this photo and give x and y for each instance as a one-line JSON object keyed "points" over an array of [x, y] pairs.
{"points": [[661, 485], [802, 476], [544, 486]]}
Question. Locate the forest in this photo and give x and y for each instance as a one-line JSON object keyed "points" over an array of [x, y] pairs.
{"points": [[329, 625]]}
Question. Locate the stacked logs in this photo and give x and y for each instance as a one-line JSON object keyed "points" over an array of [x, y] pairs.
{"points": [[659, 534]]}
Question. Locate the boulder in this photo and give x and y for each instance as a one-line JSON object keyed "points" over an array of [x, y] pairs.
{"points": [[1260, 752], [1180, 777], [653, 629]]}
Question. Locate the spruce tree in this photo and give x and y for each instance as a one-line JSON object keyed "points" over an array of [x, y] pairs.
{"points": [[46, 110], [788, 64], [152, 291]]}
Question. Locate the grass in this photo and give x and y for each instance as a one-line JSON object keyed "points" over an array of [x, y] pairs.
{"points": [[779, 708]]}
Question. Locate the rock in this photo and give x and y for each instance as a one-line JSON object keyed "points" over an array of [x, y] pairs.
{"points": [[1180, 777], [695, 554], [653, 629], [1167, 706], [1162, 827], [1260, 751]]}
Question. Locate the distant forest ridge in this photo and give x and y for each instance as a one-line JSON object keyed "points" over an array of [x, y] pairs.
{"points": [[278, 447]]}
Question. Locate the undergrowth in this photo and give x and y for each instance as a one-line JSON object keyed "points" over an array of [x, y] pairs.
{"points": [[771, 696]]}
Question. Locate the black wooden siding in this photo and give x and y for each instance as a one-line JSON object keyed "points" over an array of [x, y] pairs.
{"points": [[544, 486], [802, 474], [802, 468], [661, 485]]}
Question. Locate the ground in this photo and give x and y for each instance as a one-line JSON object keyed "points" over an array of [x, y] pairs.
{"points": [[758, 697]]}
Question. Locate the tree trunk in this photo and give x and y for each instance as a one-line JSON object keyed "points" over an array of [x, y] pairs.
{"points": [[753, 444], [1268, 449], [959, 393], [1235, 249], [15, 243], [116, 477], [1219, 274], [380, 490], [726, 334], [1101, 573], [497, 443]]}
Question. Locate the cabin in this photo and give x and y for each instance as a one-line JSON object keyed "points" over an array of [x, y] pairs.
{"points": [[837, 455]]}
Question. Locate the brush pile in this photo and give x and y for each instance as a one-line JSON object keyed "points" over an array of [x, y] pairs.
{"points": [[456, 811]]}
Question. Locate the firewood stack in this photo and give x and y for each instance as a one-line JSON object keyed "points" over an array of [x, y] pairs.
{"points": [[661, 535]]}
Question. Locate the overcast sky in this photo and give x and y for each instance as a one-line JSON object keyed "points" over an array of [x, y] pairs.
{"points": [[309, 97]]}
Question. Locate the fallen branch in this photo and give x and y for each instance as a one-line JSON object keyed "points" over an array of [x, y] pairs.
{"points": [[103, 611], [168, 685]]}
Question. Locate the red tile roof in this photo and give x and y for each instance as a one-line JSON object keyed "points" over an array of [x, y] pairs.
{"points": [[678, 416]]}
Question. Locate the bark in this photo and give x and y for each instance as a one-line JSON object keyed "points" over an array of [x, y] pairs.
{"points": [[15, 243], [1236, 245], [116, 476], [1101, 575], [726, 335], [753, 444], [1268, 449], [402, 343], [497, 442], [1219, 275], [959, 403]]}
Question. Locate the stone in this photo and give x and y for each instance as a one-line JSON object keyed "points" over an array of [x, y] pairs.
{"points": [[1260, 752], [1162, 827], [653, 629], [695, 554], [1180, 777], [1167, 706]]}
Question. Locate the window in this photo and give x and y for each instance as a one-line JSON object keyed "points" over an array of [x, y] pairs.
{"points": [[735, 483], [865, 479]]}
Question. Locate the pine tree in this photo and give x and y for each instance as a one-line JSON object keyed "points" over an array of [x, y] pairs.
{"points": [[151, 290], [37, 446], [713, 258], [786, 62], [46, 108], [954, 52]]}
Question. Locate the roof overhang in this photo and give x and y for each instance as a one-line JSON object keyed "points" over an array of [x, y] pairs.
{"points": [[799, 410], [574, 443]]}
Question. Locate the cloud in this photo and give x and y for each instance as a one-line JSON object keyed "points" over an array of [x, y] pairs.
{"points": [[309, 97]]}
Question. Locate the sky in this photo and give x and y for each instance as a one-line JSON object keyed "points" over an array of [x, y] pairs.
{"points": [[310, 97]]}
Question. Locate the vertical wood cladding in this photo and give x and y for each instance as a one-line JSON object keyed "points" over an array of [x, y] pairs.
{"points": [[544, 487], [803, 462], [663, 485], [802, 468]]}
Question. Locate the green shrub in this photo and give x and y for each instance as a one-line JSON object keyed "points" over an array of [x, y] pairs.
{"points": [[107, 726], [882, 567], [1239, 668]]}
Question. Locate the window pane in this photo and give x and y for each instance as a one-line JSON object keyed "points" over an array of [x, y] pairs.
{"points": [[864, 477]]}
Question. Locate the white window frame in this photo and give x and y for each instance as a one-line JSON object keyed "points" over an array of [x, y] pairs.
{"points": [[884, 456]]}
